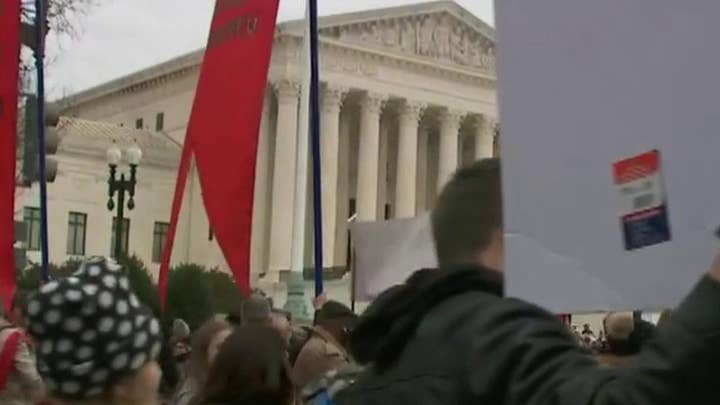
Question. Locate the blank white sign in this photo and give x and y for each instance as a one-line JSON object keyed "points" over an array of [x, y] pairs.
{"points": [[584, 84], [386, 253]]}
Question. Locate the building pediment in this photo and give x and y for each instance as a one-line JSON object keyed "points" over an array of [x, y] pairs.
{"points": [[441, 32]]}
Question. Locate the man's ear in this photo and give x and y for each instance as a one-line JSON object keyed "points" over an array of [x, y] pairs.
{"points": [[493, 256], [498, 235]]}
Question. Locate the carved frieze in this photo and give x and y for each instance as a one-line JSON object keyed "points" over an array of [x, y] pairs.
{"points": [[348, 65], [439, 36]]}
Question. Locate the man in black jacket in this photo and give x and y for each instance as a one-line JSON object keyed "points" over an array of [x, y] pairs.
{"points": [[449, 337]]}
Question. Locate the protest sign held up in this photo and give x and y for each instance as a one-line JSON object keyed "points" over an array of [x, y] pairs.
{"points": [[609, 150]]}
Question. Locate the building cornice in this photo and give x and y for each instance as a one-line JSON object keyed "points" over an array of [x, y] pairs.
{"points": [[160, 80], [411, 10], [144, 79]]}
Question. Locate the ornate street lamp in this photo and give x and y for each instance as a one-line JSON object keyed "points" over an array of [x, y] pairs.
{"points": [[120, 186]]}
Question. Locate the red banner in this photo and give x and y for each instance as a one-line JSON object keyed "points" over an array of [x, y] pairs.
{"points": [[224, 125], [9, 66]]}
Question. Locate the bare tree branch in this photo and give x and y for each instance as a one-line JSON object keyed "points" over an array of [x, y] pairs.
{"points": [[64, 19], [62, 15]]}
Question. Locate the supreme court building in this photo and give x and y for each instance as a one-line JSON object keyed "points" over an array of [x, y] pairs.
{"points": [[408, 95]]}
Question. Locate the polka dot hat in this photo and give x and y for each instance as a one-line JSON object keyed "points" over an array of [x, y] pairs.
{"points": [[90, 330]]}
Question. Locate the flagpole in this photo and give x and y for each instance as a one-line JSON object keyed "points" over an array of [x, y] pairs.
{"points": [[39, 65], [295, 303], [317, 159]]}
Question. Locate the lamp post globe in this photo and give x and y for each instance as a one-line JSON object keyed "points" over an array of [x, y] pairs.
{"points": [[134, 154], [113, 155]]}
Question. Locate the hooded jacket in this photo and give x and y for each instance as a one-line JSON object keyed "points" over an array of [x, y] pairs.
{"points": [[449, 337]]}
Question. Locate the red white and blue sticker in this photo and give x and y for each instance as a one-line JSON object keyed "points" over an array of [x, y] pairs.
{"points": [[643, 215]]}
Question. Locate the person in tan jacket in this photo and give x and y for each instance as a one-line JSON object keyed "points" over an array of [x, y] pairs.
{"points": [[326, 348], [23, 385]]}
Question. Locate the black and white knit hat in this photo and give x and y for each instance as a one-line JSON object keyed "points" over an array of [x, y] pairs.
{"points": [[90, 330]]}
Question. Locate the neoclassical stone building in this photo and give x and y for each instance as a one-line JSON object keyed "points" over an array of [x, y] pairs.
{"points": [[408, 95]]}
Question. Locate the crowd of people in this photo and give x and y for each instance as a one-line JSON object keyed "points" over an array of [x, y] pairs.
{"points": [[622, 335], [88, 340], [445, 336]]}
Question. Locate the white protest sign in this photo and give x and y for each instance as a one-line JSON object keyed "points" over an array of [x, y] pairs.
{"points": [[387, 253], [610, 115]]}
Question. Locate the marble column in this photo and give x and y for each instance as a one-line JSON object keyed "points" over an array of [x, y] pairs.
{"points": [[383, 165], [433, 145], [406, 180], [368, 159], [284, 174], [332, 98], [449, 138], [484, 138], [258, 242], [347, 123], [422, 170]]}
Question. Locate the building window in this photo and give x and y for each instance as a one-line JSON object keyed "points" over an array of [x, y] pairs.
{"points": [[31, 216], [159, 122], [77, 227], [124, 236], [160, 233], [139, 123], [211, 234]]}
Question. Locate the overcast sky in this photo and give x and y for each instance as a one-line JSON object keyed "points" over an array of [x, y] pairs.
{"points": [[119, 37]]}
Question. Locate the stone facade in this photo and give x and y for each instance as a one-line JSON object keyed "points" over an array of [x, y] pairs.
{"points": [[408, 95], [81, 188]]}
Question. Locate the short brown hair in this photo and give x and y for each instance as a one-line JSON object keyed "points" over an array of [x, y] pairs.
{"points": [[251, 368], [200, 343], [467, 212]]}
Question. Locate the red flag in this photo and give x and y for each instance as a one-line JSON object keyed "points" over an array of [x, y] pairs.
{"points": [[224, 125], [9, 66]]}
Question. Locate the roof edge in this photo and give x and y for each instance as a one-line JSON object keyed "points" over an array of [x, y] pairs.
{"points": [[194, 58], [161, 69], [398, 11]]}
